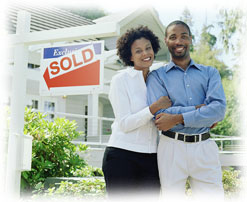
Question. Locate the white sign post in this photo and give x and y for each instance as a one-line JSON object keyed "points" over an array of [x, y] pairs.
{"points": [[17, 143]]}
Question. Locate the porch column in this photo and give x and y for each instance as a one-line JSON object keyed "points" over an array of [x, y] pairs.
{"points": [[93, 110]]}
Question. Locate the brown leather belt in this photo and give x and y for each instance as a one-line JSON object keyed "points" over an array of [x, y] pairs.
{"points": [[185, 137]]}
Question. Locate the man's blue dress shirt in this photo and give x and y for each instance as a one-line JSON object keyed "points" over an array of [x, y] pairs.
{"points": [[198, 84]]}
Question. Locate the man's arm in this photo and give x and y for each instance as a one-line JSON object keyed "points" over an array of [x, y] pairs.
{"points": [[156, 89], [215, 101]]}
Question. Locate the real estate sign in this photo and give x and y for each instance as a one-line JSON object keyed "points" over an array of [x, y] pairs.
{"points": [[72, 69]]}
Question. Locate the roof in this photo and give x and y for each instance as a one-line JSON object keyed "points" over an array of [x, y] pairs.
{"points": [[44, 18], [115, 17], [146, 16]]}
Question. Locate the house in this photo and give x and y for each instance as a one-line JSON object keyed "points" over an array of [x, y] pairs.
{"points": [[75, 107]]}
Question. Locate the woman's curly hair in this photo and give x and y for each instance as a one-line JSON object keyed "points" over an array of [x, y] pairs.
{"points": [[125, 42]]}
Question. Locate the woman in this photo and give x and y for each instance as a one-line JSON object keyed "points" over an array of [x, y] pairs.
{"points": [[130, 160]]}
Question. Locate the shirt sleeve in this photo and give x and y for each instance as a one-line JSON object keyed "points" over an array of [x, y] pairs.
{"points": [[156, 89], [120, 101], [215, 101]]}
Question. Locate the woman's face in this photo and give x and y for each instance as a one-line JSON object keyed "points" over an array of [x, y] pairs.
{"points": [[142, 54]]}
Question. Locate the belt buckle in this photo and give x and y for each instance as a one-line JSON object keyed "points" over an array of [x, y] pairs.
{"points": [[194, 136], [184, 138]]}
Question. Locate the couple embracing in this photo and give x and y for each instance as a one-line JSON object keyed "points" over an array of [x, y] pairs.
{"points": [[182, 100]]}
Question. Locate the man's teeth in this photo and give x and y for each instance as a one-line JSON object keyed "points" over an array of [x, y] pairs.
{"points": [[179, 49]]}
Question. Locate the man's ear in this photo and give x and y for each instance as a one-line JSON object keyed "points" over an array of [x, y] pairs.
{"points": [[165, 40], [191, 39]]}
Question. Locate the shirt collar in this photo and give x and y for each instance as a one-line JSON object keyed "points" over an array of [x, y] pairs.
{"points": [[173, 65], [132, 72]]}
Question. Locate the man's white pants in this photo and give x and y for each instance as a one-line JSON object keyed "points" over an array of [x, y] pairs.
{"points": [[178, 160]]}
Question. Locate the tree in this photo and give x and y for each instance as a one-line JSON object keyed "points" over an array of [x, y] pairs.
{"points": [[187, 18], [205, 52], [207, 37], [231, 22]]}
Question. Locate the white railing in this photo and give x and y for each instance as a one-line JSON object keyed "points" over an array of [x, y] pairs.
{"points": [[97, 137], [232, 148], [103, 125]]}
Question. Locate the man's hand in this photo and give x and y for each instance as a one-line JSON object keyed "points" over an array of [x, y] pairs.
{"points": [[166, 121]]}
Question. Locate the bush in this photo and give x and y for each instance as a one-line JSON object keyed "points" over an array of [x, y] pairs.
{"points": [[88, 171], [85, 188], [231, 182], [53, 154], [93, 187]]}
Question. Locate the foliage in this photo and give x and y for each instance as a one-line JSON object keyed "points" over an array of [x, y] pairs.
{"points": [[88, 171], [230, 24], [207, 37], [204, 54], [230, 125], [94, 187], [231, 182], [187, 18], [53, 154], [88, 189]]}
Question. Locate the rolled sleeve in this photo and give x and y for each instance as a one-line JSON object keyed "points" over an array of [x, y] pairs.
{"points": [[214, 110]]}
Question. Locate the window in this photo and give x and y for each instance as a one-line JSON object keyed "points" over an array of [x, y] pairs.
{"points": [[86, 122], [34, 104], [32, 66], [49, 107]]}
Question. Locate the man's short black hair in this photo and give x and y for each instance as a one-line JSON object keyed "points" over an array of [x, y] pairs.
{"points": [[125, 42], [178, 22]]}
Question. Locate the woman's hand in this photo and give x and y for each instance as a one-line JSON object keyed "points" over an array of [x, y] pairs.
{"points": [[199, 106], [162, 103]]}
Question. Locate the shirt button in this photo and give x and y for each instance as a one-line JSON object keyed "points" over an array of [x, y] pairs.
{"points": [[190, 98], [188, 85], [185, 73]]}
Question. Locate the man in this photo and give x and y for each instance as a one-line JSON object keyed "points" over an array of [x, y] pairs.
{"points": [[198, 102]]}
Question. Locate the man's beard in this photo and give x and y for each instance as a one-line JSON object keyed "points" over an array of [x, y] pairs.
{"points": [[178, 56]]}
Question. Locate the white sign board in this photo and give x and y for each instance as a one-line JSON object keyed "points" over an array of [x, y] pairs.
{"points": [[72, 69]]}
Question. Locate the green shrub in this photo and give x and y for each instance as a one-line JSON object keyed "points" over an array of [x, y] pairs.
{"points": [[94, 187], [86, 189], [88, 171], [53, 154], [231, 182]]}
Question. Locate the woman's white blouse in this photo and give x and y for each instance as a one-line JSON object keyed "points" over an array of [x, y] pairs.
{"points": [[133, 128]]}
